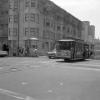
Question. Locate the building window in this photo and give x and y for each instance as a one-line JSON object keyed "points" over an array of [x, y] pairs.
{"points": [[33, 3], [37, 18], [10, 4], [79, 34], [48, 24], [44, 22], [58, 28], [32, 17], [10, 18], [15, 18], [27, 3], [15, 4], [54, 25], [26, 31], [2, 25], [26, 17], [6, 12], [68, 29], [46, 34], [43, 45], [63, 28], [47, 46], [9, 32], [34, 31], [74, 32], [15, 31]]}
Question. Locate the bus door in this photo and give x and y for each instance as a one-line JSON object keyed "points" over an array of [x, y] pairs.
{"points": [[72, 49], [86, 51], [78, 50]]}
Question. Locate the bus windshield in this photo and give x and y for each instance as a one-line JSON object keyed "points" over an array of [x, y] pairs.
{"points": [[62, 45]]}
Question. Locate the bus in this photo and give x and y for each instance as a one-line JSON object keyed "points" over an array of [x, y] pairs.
{"points": [[71, 49]]}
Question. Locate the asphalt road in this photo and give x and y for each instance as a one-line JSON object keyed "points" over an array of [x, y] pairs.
{"points": [[49, 79]]}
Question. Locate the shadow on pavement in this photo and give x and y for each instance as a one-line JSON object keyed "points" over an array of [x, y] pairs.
{"points": [[72, 61]]}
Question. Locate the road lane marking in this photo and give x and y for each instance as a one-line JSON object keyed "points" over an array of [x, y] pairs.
{"points": [[61, 83], [92, 65], [15, 95], [13, 69], [84, 68], [1, 68], [28, 98], [50, 91], [46, 62], [11, 93], [24, 83]]}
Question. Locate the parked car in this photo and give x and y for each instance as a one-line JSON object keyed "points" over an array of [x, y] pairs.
{"points": [[3, 53], [52, 54]]}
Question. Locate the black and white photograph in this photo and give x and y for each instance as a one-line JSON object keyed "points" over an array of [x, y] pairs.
{"points": [[49, 49]]}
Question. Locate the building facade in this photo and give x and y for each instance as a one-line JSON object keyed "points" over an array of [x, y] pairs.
{"points": [[3, 22], [88, 32], [91, 33], [39, 24]]}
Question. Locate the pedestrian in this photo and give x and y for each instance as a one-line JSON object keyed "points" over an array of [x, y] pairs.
{"points": [[27, 51]]}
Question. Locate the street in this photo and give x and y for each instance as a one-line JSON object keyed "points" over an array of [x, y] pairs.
{"points": [[41, 78]]}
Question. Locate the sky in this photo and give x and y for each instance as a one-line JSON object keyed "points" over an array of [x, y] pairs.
{"points": [[85, 10]]}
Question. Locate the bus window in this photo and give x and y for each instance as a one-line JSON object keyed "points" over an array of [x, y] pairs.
{"points": [[64, 45]]}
